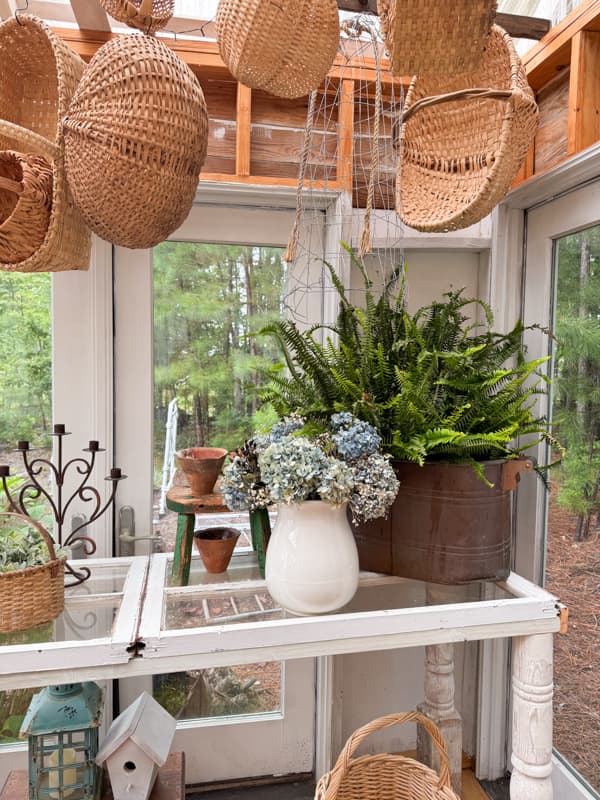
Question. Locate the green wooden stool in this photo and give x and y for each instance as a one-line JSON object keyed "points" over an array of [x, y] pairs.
{"points": [[181, 500]]}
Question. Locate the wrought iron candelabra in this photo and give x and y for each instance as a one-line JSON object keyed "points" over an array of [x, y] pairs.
{"points": [[32, 490]]}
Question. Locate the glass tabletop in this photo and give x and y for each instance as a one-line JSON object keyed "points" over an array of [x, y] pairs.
{"points": [[239, 595], [92, 609]]}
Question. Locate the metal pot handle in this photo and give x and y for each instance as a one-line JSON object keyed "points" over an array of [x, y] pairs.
{"points": [[511, 472]]}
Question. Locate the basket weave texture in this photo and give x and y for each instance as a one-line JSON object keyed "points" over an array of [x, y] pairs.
{"points": [[136, 136], [35, 595], [39, 76], [284, 48], [387, 776], [460, 156], [431, 37], [25, 203], [146, 15]]}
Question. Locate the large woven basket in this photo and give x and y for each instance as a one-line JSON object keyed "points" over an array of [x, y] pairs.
{"points": [[431, 37], [285, 48], [146, 15], [25, 204], [39, 76], [387, 776], [35, 595], [461, 152], [136, 135]]}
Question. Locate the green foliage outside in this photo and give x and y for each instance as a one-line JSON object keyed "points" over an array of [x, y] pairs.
{"points": [[207, 299], [576, 401], [25, 366], [14, 704], [434, 386]]}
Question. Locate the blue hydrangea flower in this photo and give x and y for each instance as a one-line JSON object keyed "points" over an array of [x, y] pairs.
{"points": [[375, 488], [286, 426], [342, 420], [292, 469], [357, 440], [340, 467]]}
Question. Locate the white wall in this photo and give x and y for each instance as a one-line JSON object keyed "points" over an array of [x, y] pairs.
{"points": [[373, 684]]}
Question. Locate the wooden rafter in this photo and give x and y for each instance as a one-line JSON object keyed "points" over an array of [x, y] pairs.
{"points": [[90, 16], [7, 8], [515, 24]]}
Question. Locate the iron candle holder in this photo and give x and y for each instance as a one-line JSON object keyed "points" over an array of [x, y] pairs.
{"points": [[33, 490]]}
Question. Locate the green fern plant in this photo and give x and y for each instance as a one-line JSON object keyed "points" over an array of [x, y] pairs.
{"points": [[435, 387]]}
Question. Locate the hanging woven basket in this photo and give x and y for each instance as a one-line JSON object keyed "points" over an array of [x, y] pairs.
{"points": [[25, 203], [387, 776], [146, 15], [463, 139], [429, 37], [136, 135], [285, 48], [34, 595], [39, 76]]}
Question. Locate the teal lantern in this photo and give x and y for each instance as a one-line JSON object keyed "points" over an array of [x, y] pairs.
{"points": [[61, 725]]}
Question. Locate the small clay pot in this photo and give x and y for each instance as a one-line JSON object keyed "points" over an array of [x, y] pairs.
{"points": [[216, 546], [201, 466]]}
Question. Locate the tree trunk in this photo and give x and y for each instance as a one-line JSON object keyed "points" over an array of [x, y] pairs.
{"points": [[251, 314], [584, 274], [199, 422]]}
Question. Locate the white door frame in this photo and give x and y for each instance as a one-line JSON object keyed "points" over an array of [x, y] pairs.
{"points": [[82, 372], [520, 288], [260, 210]]}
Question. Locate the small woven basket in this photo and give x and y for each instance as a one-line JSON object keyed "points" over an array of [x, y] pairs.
{"points": [[463, 140], [39, 76], [387, 776], [136, 136], [284, 48], [146, 15], [25, 203], [35, 595], [430, 37]]}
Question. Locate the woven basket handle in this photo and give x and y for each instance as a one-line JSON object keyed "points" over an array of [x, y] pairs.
{"points": [[145, 8], [16, 187], [493, 94], [39, 528], [345, 757]]}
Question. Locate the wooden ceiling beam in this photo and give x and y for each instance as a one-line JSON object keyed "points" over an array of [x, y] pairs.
{"points": [[516, 25], [7, 8], [90, 16]]}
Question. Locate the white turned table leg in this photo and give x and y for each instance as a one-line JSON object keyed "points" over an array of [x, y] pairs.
{"points": [[439, 707], [532, 689], [439, 700]]}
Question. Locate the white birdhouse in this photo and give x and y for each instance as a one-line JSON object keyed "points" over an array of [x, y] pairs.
{"points": [[137, 744]]}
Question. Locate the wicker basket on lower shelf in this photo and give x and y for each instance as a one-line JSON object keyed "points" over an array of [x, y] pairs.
{"points": [[387, 776], [34, 595]]}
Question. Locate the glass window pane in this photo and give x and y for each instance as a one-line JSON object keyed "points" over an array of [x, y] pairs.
{"points": [[208, 300], [25, 408], [25, 366], [573, 561], [221, 691]]}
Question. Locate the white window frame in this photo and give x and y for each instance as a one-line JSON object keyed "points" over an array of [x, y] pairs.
{"points": [[515, 260]]}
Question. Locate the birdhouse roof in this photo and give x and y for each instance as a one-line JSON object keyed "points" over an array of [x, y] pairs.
{"points": [[146, 723]]}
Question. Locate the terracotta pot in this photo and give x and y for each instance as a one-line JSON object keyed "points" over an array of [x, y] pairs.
{"points": [[216, 546], [201, 466]]}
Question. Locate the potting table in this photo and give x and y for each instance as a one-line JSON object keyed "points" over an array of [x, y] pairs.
{"points": [[130, 619]]}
